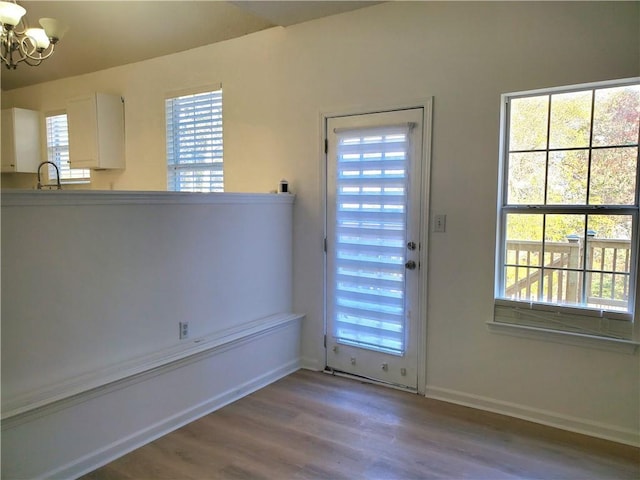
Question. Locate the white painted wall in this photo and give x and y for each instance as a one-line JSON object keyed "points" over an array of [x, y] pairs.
{"points": [[94, 285], [278, 82], [93, 281]]}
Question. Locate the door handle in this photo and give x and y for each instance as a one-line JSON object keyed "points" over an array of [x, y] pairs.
{"points": [[410, 265]]}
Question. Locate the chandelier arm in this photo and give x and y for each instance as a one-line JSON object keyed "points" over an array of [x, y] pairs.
{"points": [[4, 58], [31, 63], [3, 46], [29, 50], [9, 46], [18, 45]]}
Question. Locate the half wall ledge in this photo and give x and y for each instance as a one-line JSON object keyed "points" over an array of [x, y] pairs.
{"points": [[99, 382]]}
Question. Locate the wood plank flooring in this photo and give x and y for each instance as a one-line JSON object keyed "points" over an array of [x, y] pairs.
{"points": [[311, 425]]}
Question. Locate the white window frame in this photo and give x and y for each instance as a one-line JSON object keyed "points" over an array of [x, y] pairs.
{"points": [[575, 319], [58, 152], [201, 167]]}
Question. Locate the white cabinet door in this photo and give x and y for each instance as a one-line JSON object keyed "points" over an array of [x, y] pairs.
{"points": [[96, 131], [83, 132], [20, 140]]}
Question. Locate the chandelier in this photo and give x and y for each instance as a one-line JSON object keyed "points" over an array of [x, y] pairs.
{"points": [[19, 43]]}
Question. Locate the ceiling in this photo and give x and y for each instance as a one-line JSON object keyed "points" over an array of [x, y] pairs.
{"points": [[106, 34]]}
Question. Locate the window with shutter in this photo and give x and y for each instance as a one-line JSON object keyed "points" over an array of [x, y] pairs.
{"points": [[194, 142]]}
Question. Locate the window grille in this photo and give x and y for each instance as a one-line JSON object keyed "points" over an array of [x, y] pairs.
{"points": [[568, 223]]}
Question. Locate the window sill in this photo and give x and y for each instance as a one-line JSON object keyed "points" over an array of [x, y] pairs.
{"points": [[629, 347]]}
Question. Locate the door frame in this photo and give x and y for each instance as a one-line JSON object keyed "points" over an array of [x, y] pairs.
{"points": [[425, 216]]}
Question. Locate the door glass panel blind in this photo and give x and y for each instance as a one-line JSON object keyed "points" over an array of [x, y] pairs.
{"points": [[194, 142], [370, 237], [58, 151]]}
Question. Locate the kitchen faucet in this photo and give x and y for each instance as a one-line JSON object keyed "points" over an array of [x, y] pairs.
{"points": [[57, 177]]}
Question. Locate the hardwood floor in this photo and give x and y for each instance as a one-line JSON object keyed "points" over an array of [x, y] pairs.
{"points": [[310, 425]]}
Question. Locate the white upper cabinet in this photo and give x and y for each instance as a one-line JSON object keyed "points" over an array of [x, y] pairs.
{"points": [[20, 140], [96, 131]]}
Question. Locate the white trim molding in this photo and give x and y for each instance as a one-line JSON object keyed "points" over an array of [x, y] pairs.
{"points": [[629, 347], [545, 417], [115, 450], [95, 423], [15, 409], [21, 198]]}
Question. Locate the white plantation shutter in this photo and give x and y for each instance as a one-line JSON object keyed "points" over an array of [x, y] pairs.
{"points": [[369, 254], [58, 151], [194, 142]]}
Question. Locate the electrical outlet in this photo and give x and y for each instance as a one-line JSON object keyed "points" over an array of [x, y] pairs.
{"points": [[440, 223], [184, 330]]}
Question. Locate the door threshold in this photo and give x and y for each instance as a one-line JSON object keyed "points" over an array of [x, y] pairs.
{"points": [[363, 379]]}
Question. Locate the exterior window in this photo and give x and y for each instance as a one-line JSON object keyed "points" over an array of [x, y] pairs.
{"points": [[194, 142], [568, 208], [58, 152]]}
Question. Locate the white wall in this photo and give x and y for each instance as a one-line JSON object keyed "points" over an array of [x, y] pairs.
{"points": [[94, 286], [278, 82], [94, 281]]}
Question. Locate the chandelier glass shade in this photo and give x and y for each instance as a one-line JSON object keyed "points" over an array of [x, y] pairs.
{"points": [[19, 43]]}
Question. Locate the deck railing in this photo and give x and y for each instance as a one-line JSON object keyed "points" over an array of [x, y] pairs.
{"points": [[561, 278]]}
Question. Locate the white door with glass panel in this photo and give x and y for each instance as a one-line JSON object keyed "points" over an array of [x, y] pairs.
{"points": [[373, 245]]}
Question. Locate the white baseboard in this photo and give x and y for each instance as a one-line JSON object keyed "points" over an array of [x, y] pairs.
{"points": [[96, 426], [544, 417], [111, 452]]}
